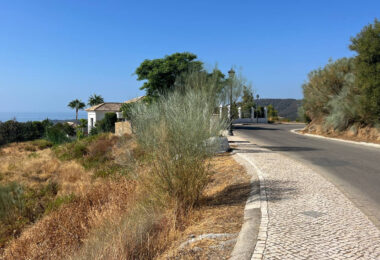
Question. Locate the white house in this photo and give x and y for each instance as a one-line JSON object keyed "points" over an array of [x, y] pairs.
{"points": [[97, 112]]}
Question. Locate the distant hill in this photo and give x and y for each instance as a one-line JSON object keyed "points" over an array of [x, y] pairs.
{"points": [[286, 107]]}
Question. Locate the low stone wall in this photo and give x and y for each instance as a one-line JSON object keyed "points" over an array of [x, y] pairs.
{"points": [[122, 128]]}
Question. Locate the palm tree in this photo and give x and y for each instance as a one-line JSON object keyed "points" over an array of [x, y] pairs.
{"points": [[95, 100], [77, 105]]}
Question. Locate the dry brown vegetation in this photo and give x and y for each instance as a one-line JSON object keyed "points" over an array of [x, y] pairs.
{"points": [[121, 217], [64, 230], [19, 163], [220, 211], [354, 133]]}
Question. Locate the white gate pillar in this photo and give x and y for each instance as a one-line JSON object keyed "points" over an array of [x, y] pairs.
{"points": [[239, 111], [266, 112], [220, 111]]}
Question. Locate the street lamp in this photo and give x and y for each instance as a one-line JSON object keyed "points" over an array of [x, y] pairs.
{"points": [[231, 74], [257, 101]]}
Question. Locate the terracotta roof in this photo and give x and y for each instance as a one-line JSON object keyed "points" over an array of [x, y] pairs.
{"points": [[108, 106], [133, 100]]}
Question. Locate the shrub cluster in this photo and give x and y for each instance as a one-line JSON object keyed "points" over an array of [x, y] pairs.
{"points": [[93, 152], [175, 133], [347, 91], [106, 125], [13, 131]]}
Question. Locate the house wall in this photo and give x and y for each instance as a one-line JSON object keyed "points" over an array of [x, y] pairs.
{"points": [[91, 120], [96, 116]]}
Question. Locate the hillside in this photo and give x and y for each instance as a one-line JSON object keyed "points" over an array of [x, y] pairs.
{"points": [[286, 107]]}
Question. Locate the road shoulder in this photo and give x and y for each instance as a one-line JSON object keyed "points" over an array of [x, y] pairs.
{"points": [[297, 131]]}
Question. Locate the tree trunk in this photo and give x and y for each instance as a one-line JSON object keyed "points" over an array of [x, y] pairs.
{"points": [[76, 118]]}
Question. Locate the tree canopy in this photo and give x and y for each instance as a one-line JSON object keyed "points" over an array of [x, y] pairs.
{"points": [[161, 74], [77, 105], [367, 69], [95, 100]]}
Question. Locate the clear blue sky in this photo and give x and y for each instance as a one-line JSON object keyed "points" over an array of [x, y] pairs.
{"points": [[54, 51]]}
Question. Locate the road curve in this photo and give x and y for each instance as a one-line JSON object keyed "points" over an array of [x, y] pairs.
{"points": [[354, 169]]}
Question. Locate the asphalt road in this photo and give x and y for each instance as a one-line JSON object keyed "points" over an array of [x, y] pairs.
{"points": [[354, 169]]}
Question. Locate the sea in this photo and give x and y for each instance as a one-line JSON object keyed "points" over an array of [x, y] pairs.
{"points": [[39, 116]]}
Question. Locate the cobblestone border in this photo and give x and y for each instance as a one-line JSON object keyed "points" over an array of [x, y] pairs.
{"points": [[258, 253]]}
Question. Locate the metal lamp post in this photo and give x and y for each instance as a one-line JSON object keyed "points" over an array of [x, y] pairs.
{"points": [[231, 74], [257, 101]]}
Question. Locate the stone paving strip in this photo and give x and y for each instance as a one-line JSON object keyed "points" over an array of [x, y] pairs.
{"points": [[307, 216]]}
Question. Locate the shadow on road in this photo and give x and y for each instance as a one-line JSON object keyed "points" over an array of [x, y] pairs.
{"points": [[231, 195], [280, 190], [238, 193], [289, 148], [251, 127], [238, 150]]}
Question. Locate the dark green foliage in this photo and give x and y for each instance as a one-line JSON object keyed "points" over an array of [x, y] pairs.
{"points": [[347, 91], [247, 101], [95, 100], [107, 124], [93, 131], [13, 131], [259, 112], [367, 70], [47, 123], [59, 133], [33, 130], [77, 105], [161, 74]]}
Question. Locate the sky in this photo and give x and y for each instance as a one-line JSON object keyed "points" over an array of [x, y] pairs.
{"points": [[52, 51]]}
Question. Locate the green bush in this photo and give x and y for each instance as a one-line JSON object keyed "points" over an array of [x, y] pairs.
{"points": [[347, 91], [367, 67], [13, 131], [107, 124], [174, 132], [56, 135]]}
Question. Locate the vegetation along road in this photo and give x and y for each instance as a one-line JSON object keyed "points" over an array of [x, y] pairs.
{"points": [[354, 169]]}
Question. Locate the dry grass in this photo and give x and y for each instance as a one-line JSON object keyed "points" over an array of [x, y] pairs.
{"points": [[355, 133], [63, 231], [35, 169], [117, 218], [221, 211]]}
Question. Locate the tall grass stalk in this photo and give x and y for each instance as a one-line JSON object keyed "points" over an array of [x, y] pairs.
{"points": [[175, 132]]}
